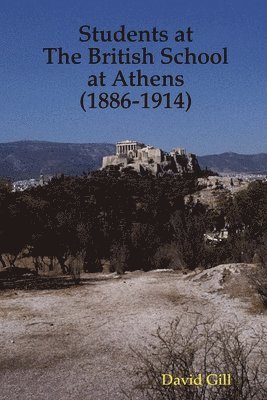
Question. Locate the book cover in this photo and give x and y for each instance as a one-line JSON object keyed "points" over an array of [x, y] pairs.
{"points": [[133, 200]]}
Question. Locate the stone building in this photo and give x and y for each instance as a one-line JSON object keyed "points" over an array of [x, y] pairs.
{"points": [[143, 158], [128, 146]]}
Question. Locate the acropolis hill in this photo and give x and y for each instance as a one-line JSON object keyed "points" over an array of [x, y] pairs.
{"points": [[143, 158]]}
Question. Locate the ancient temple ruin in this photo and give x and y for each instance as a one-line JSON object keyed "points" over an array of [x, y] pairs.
{"points": [[143, 158]]}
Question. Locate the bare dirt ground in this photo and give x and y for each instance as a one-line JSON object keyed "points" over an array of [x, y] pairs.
{"points": [[74, 343]]}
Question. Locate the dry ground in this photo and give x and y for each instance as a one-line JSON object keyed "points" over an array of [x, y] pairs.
{"points": [[74, 343]]}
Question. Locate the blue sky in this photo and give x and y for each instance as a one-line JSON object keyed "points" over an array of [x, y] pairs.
{"points": [[41, 102]]}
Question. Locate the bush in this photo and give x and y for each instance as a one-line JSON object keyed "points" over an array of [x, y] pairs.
{"points": [[168, 256], [202, 348], [260, 280], [118, 259]]}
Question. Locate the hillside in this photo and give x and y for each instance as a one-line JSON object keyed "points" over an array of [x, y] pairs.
{"points": [[28, 159], [234, 162]]}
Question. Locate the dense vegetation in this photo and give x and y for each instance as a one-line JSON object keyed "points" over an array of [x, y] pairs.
{"points": [[135, 222]]}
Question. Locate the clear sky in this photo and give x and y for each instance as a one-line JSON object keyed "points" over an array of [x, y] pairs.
{"points": [[41, 102]]}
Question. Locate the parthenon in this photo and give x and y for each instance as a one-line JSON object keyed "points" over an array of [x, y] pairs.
{"points": [[128, 145]]}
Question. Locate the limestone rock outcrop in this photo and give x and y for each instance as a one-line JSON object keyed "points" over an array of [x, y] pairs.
{"points": [[143, 158]]}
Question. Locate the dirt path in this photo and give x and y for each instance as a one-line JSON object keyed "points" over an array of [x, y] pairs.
{"points": [[75, 343]]}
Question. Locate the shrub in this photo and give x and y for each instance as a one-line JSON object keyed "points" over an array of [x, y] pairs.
{"points": [[184, 351]]}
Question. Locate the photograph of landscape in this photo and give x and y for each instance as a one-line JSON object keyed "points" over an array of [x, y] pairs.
{"points": [[133, 200]]}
